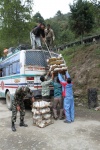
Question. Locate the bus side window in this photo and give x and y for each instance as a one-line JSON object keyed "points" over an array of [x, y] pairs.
{"points": [[0, 72], [10, 70], [7, 71], [4, 72], [18, 67], [14, 66]]}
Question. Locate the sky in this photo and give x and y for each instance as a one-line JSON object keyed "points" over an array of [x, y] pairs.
{"points": [[48, 8]]}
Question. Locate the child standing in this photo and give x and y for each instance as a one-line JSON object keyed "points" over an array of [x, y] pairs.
{"points": [[68, 97]]}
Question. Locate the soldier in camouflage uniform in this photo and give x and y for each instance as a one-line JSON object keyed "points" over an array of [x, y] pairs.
{"points": [[18, 105], [50, 37]]}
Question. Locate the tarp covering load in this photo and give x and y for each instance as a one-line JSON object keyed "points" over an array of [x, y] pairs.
{"points": [[57, 65], [41, 114]]}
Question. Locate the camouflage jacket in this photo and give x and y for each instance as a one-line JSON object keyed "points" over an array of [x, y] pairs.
{"points": [[20, 94], [49, 33]]}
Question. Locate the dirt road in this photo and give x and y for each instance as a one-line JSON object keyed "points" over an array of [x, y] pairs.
{"points": [[83, 134]]}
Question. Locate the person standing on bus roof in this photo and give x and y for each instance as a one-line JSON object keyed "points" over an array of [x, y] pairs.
{"points": [[36, 35], [50, 37], [18, 105]]}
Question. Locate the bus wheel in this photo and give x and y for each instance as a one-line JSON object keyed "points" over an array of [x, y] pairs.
{"points": [[8, 100]]}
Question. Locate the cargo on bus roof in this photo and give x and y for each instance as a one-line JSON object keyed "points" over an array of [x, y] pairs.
{"points": [[24, 47]]}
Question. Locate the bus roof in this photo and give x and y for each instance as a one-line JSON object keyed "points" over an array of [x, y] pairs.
{"points": [[15, 56]]}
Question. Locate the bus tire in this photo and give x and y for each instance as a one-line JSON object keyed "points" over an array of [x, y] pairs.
{"points": [[8, 100]]}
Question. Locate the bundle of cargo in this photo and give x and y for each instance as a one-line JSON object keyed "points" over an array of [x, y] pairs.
{"points": [[57, 65], [42, 114]]}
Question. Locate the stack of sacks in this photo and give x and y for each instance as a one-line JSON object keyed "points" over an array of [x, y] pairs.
{"points": [[57, 65], [41, 113]]}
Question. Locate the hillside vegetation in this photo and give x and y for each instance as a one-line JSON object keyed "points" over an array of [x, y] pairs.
{"points": [[84, 66], [17, 20]]}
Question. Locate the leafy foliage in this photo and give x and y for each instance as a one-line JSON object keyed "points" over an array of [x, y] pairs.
{"points": [[96, 11], [60, 25], [82, 18], [38, 18], [15, 21]]}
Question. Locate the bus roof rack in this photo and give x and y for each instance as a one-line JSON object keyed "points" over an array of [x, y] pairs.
{"points": [[24, 47], [11, 49]]}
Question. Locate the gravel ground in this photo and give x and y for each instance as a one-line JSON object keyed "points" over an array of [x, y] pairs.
{"points": [[83, 134]]}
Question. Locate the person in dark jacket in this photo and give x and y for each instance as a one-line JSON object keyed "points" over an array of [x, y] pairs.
{"points": [[68, 97], [18, 105], [36, 34]]}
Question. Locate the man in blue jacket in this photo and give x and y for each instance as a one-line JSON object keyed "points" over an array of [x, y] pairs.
{"points": [[67, 92]]}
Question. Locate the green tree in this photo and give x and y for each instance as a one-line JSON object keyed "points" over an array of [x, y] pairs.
{"points": [[61, 29], [38, 18], [96, 12], [59, 13], [15, 21], [82, 18]]}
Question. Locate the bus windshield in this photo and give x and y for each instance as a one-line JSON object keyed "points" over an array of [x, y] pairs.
{"points": [[38, 58]]}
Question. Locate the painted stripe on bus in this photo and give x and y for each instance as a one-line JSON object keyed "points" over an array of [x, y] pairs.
{"points": [[18, 76], [21, 83], [17, 87], [11, 87], [16, 84]]}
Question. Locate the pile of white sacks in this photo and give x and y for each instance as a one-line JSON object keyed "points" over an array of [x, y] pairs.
{"points": [[57, 64], [41, 113]]}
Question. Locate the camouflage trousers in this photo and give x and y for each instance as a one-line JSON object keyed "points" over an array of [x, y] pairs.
{"points": [[49, 43], [14, 111]]}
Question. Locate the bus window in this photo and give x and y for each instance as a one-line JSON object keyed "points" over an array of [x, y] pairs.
{"points": [[18, 67], [0, 72], [4, 72], [10, 70], [14, 66], [7, 71], [35, 58]]}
